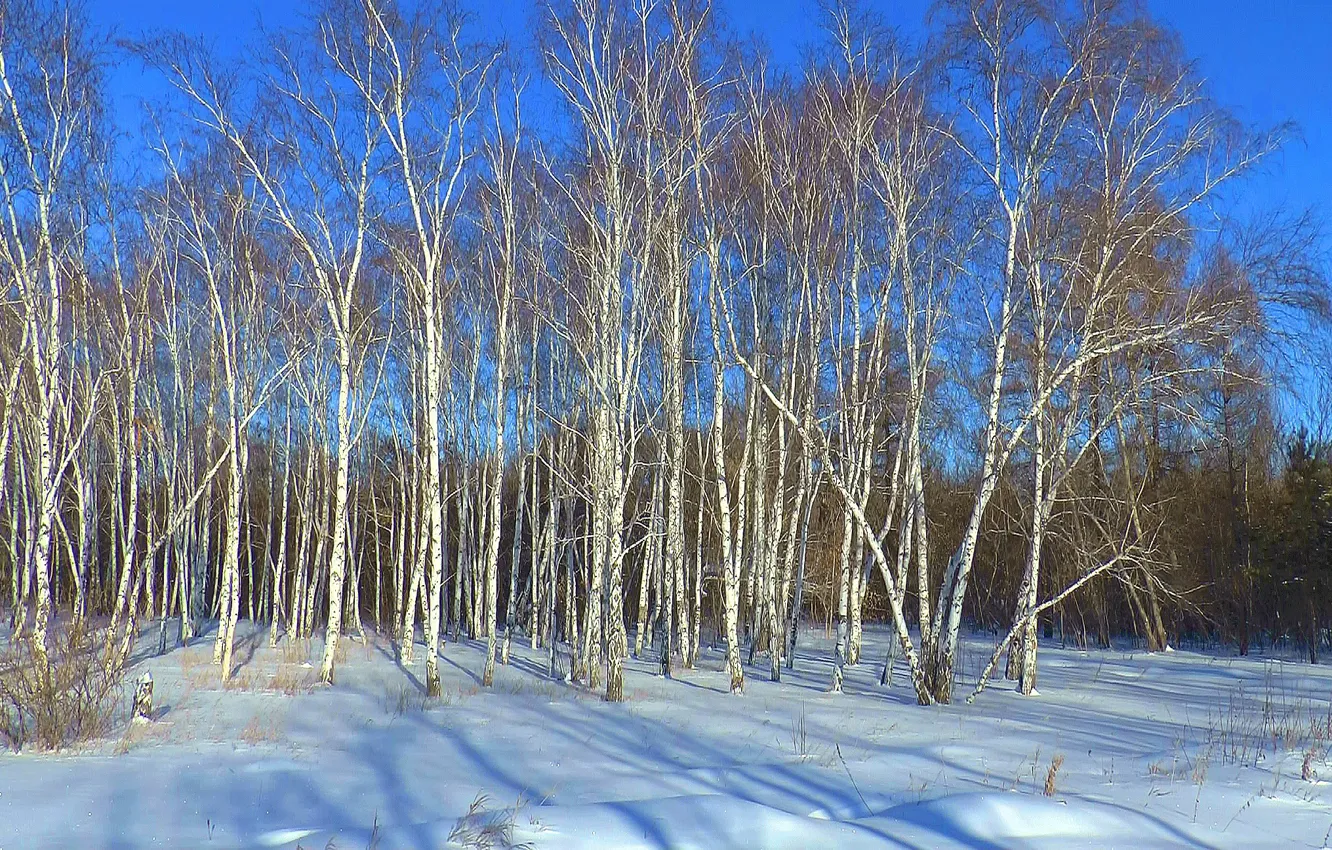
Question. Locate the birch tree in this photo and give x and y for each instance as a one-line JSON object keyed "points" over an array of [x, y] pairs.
{"points": [[50, 101]]}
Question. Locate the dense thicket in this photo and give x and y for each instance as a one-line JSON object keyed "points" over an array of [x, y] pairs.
{"points": [[939, 332]]}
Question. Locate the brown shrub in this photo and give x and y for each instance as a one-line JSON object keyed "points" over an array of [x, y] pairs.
{"points": [[68, 698]]}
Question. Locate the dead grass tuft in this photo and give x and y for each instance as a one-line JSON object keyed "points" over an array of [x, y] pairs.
{"points": [[405, 699], [138, 733], [1052, 775], [191, 660], [1307, 771], [240, 681], [481, 829], [260, 730], [294, 651], [293, 680]]}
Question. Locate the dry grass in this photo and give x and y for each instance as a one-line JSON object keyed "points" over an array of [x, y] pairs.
{"points": [[800, 743], [371, 844], [354, 646], [1251, 731], [544, 689], [405, 699], [192, 660], [287, 679], [1246, 731], [260, 730], [294, 651], [293, 680], [481, 829], [1052, 775], [68, 698], [140, 732], [1307, 771], [243, 680]]}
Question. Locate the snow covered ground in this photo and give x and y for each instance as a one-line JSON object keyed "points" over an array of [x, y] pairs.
{"points": [[1168, 750]]}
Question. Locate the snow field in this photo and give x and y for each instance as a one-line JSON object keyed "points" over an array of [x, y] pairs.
{"points": [[1169, 750]]}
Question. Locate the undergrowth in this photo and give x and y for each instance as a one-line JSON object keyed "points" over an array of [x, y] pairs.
{"points": [[65, 696]]}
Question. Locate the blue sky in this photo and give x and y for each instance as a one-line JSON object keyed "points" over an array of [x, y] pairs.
{"points": [[1270, 62]]}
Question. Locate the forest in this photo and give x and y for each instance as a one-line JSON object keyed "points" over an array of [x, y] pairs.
{"points": [[631, 341]]}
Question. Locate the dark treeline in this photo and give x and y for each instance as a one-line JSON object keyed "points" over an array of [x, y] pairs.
{"points": [[951, 331]]}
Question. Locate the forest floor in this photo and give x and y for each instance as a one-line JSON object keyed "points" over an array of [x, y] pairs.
{"points": [[1177, 749]]}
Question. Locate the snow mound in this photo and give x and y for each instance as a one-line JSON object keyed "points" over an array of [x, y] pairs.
{"points": [[999, 819], [976, 821], [690, 821]]}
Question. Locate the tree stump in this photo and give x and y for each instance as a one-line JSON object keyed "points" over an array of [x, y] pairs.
{"points": [[143, 698]]}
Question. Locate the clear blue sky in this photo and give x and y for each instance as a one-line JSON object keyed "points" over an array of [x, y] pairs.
{"points": [[1268, 60]]}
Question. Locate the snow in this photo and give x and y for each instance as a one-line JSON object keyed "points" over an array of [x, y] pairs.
{"points": [[1159, 751]]}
